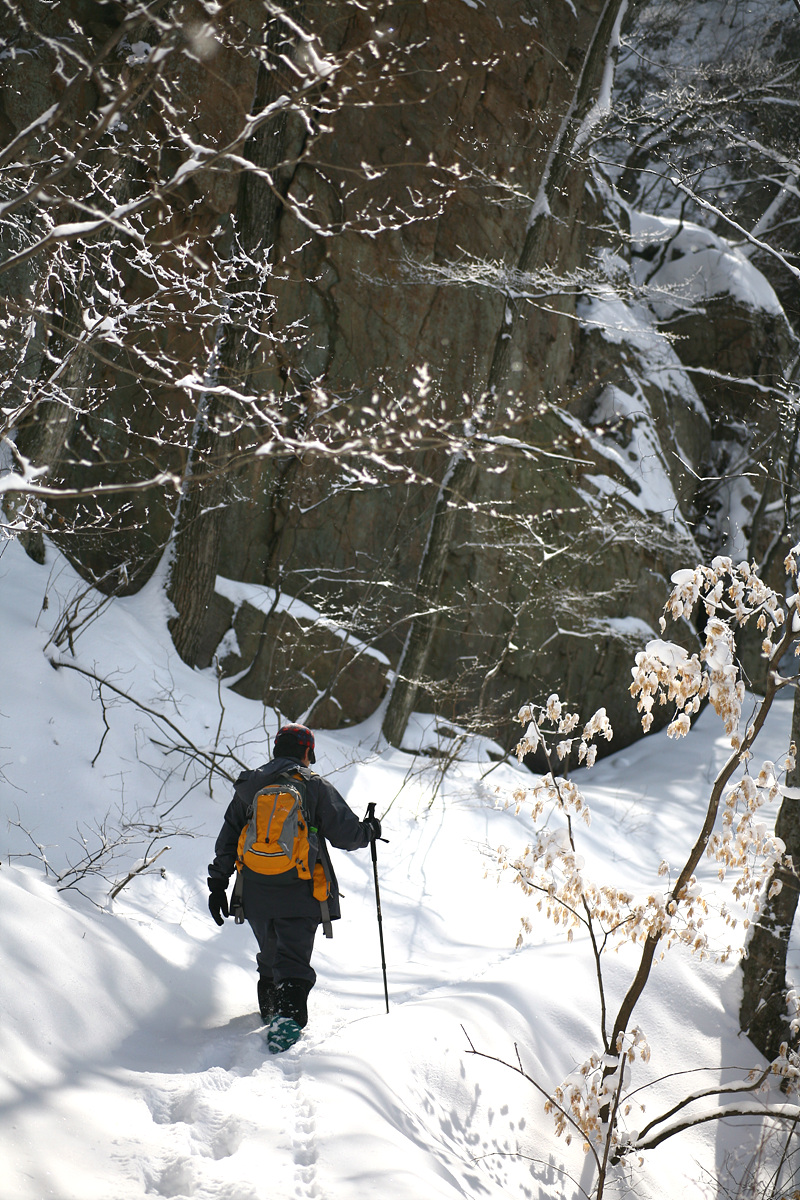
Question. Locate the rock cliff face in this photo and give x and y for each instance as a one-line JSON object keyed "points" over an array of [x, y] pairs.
{"points": [[380, 243]]}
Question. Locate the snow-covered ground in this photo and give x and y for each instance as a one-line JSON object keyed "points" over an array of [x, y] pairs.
{"points": [[132, 1061]]}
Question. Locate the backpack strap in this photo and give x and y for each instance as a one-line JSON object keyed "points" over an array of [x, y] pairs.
{"points": [[327, 926], [237, 906]]}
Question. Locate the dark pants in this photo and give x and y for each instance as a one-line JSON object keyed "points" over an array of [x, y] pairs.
{"points": [[284, 917], [284, 947]]}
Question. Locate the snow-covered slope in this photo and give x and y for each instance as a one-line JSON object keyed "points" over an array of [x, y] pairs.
{"points": [[131, 1058]]}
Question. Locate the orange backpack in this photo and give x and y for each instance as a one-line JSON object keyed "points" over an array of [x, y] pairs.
{"points": [[275, 838]]}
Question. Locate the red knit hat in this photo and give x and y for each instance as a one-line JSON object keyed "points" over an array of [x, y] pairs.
{"points": [[292, 741]]}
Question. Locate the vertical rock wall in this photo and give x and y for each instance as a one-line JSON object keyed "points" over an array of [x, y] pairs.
{"points": [[395, 210]]}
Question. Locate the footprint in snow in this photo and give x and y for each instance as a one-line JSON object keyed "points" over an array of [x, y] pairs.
{"points": [[179, 1180], [200, 1130], [303, 1134], [176, 1179]]}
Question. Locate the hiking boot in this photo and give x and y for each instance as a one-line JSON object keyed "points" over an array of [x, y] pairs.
{"points": [[292, 997], [267, 999], [281, 1034]]}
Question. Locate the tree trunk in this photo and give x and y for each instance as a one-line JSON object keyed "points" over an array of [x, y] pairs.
{"points": [[456, 485], [762, 1015], [461, 473]]}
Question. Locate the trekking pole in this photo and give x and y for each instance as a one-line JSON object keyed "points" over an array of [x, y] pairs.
{"points": [[372, 840]]}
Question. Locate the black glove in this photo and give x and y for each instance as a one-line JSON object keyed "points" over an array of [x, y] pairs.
{"points": [[372, 826], [218, 901]]}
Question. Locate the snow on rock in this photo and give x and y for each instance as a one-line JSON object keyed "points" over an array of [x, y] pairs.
{"points": [[643, 460], [630, 324], [697, 265], [265, 600]]}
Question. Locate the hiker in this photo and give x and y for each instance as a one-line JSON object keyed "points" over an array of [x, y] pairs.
{"points": [[284, 897]]}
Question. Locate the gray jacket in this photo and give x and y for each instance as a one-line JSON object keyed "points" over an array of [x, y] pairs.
{"points": [[329, 814]]}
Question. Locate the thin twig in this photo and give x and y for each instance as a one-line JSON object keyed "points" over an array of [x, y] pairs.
{"points": [[107, 728], [136, 871], [203, 755]]}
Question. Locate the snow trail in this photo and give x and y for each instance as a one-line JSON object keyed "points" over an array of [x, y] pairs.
{"points": [[303, 1129]]}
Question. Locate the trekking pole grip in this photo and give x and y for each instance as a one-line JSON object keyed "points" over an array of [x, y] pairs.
{"points": [[372, 838]]}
